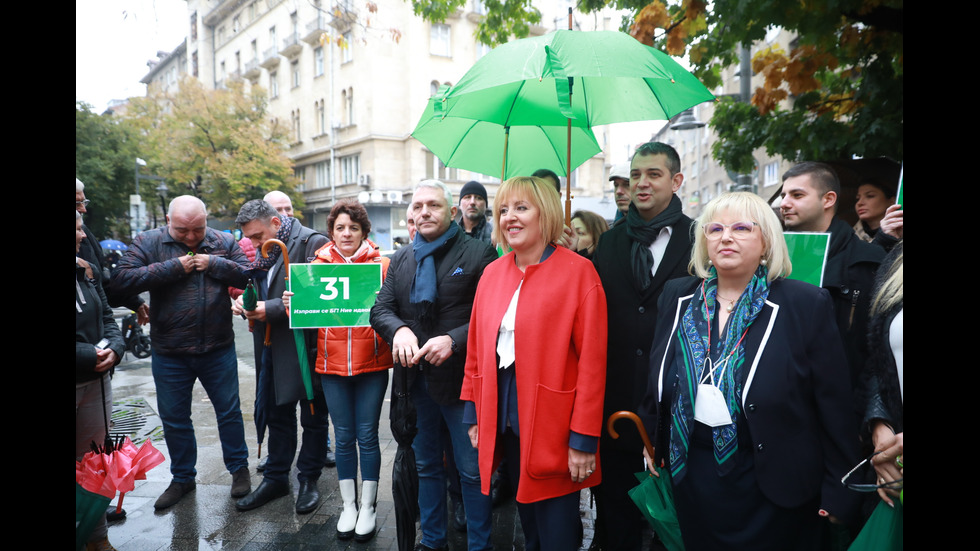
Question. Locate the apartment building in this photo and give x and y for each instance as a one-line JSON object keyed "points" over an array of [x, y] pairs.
{"points": [[350, 78]]}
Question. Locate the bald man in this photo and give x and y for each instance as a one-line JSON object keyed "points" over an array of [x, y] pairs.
{"points": [[187, 267], [281, 202]]}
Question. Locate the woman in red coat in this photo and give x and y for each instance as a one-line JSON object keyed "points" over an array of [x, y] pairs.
{"points": [[353, 363], [536, 364]]}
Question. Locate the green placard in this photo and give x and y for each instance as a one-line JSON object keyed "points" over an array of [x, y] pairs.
{"points": [[333, 295], [808, 253], [900, 196]]}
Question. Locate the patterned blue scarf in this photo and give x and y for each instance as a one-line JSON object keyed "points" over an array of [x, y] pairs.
{"points": [[424, 287], [693, 356], [262, 263]]}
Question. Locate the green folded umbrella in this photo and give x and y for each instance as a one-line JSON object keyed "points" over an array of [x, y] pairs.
{"points": [[298, 337], [655, 499]]}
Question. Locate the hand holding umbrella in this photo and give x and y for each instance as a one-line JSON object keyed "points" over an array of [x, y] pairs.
{"points": [[654, 496]]}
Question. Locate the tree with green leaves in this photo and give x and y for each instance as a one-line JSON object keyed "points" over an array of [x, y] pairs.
{"points": [[219, 145], [844, 72], [105, 155]]}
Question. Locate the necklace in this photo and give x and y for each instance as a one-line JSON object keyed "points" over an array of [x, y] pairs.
{"points": [[731, 303]]}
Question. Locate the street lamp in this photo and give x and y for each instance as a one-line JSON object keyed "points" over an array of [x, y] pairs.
{"points": [[162, 194], [688, 121]]}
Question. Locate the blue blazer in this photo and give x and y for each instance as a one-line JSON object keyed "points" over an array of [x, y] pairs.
{"points": [[796, 394]]}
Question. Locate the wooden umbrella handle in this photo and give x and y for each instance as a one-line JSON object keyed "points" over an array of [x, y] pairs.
{"points": [[285, 264], [639, 426]]}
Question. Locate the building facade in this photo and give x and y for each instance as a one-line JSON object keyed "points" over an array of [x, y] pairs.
{"points": [[350, 78]]}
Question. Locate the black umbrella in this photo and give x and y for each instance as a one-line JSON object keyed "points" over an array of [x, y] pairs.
{"points": [[404, 476]]}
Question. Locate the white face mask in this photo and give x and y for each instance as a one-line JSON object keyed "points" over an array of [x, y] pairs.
{"points": [[710, 407]]}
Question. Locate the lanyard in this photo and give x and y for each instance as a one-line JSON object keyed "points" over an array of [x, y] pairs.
{"points": [[724, 361]]}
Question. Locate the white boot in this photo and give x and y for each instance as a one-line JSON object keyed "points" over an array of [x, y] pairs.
{"points": [[348, 518], [367, 516]]}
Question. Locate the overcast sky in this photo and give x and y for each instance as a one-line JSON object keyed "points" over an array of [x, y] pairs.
{"points": [[113, 41]]}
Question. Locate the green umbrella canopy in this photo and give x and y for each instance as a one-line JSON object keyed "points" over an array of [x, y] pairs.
{"points": [[479, 146], [614, 79]]}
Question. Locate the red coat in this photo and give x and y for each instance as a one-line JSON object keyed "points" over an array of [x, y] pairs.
{"points": [[560, 345], [351, 351]]}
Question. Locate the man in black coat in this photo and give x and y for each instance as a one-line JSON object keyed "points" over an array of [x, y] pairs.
{"points": [[423, 310], [809, 204], [260, 222], [91, 252], [634, 259]]}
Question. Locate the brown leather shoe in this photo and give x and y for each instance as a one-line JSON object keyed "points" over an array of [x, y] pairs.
{"points": [[173, 494], [241, 483]]}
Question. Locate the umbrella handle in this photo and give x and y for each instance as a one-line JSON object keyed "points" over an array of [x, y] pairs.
{"points": [[639, 426], [285, 263], [282, 248]]}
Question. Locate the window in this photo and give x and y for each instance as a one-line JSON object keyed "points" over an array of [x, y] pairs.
{"points": [[347, 98], [194, 28], [347, 48], [439, 40], [295, 72], [350, 169], [273, 85], [295, 120], [221, 35], [321, 116], [321, 174], [482, 49], [272, 38], [236, 24], [772, 174], [300, 174], [318, 62], [255, 49], [194, 64], [350, 106], [434, 169]]}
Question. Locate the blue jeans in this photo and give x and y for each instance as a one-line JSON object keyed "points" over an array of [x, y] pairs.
{"points": [[174, 376], [355, 407], [428, 448]]}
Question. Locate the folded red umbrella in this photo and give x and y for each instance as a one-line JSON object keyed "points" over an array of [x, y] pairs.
{"points": [[116, 467]]}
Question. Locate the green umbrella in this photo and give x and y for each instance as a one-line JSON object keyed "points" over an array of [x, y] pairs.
{"points": [[491, 148], [654, 496], [574, 79], [593, 78], [304, 360]]}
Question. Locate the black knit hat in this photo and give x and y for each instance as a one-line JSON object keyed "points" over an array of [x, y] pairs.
{"points": [[473, 188]]}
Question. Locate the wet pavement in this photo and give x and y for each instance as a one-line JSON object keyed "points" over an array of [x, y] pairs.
{"points": [[207, 518]]}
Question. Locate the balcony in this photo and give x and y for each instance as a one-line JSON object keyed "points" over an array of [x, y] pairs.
{"points": [[314, 29], [291, 46], [270, 58], [253, 69]]}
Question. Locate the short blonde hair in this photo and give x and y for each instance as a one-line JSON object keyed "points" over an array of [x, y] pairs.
{"points": [[540, 194], [754, 209]]}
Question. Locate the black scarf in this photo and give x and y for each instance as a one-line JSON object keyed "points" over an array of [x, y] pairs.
{"points": [[643, 233]]}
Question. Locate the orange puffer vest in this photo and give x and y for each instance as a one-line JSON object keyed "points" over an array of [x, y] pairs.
{"points": [[350, 351]]}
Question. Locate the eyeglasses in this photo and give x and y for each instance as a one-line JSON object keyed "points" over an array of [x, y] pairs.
{"points": [[82, 203], [739, 230], [897, 484]]}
